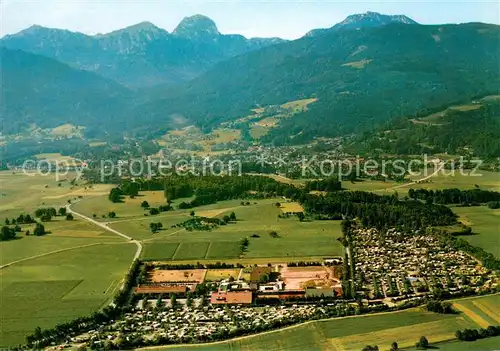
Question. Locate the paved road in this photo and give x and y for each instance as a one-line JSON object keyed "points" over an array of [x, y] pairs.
{"points": [[106, 227]]}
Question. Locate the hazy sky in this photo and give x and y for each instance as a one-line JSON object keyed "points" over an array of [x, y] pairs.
{"points": [[286, 19]]}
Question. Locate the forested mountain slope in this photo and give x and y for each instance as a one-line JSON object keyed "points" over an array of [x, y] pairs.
{"points": [[360, 77], [142, 54], [472, 129], [42, 91]]}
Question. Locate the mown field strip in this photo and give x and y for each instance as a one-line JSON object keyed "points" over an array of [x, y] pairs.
{"points": [[472, 315], [487, 310]]}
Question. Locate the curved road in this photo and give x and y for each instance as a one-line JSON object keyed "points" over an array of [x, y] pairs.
{"points": [[106, 227]]}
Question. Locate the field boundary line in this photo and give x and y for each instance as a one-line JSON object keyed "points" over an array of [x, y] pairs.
{"points": [[47, 254], [480, 321], [176, 250], [490, 313], [208, 250]]}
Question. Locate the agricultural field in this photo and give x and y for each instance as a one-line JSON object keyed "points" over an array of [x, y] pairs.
{"points": [[192, 140], [55, 288], [101, 206], [71, 271], [349, 333], [485, 223], [294, 239], [483, 311], [442, 180], [375, 186], [24, 193], [485, 180]]}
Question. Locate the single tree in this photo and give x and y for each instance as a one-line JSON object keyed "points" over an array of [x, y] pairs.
{"points": [[39, 230], [423, 343], [145, 204]]}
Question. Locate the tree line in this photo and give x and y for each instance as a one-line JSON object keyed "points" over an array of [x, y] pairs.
{"points": [[454, 196]]}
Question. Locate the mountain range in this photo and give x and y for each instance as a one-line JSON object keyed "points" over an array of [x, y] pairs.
{"points": [[140, 55], [363, 20], [364, 71]]}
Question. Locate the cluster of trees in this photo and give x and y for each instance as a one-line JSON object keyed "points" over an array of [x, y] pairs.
{"points": [[198, 265], [394, 347], [455, 196], [46, 214], [494, 205], [475, 334], [328, 184], [200, 223], [440, 307], [422, 343], [379, 211], [7, 233], [488, 260], [304, 264], [116, 195], [21, 219], [475, 131], [155, 227], [153, 210], [244, 244]]}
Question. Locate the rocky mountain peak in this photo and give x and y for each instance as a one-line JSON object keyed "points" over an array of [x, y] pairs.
{"points": [[197, 27]]}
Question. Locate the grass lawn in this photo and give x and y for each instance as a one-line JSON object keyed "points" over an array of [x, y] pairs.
{"points": [[52, 289], [485, 224], [352, 333]]}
